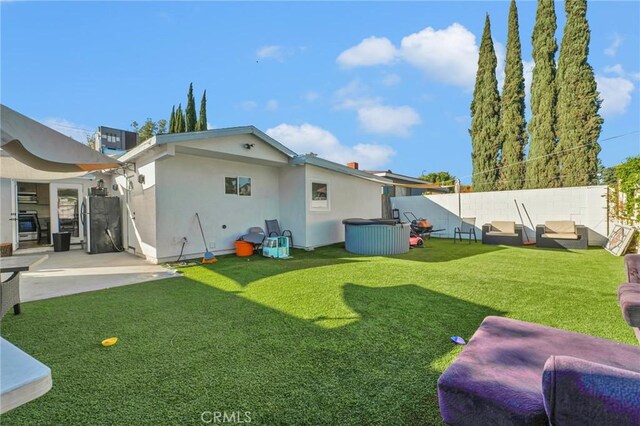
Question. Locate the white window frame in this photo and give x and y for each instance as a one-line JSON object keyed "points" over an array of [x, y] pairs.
{"points": [[319, 205]]}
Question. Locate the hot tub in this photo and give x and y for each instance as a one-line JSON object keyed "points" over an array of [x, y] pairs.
{"points": [[376, 236]]}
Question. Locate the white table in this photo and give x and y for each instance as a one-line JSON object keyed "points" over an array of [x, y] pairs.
{"points": [[22, 377]]}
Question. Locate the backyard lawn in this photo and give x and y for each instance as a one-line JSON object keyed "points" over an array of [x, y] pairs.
{"points": [[323, 338]]}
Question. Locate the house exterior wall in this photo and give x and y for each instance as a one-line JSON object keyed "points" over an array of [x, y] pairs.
{"points": [[5, 211], [292, 203], [139, 209], [349, 196], [585, 205], [186, 184], [234, 146]]}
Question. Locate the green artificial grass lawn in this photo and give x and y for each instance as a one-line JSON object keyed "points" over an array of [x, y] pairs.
{"points": [[323, 338]]}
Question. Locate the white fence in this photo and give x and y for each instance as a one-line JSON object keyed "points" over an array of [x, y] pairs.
{"points": [[584, 205]]}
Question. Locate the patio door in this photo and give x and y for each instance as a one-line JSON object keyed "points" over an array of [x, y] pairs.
{"points": [[66, 200]]}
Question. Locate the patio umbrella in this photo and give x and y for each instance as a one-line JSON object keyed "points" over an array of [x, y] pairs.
{"points": [[42, 148]]}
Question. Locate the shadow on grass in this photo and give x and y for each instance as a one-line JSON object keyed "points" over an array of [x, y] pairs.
{"points": [[245, 270], [186, 348]]}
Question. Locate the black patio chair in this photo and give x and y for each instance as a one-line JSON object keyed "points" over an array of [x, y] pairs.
{"points": [[467, 227], [273, 230]]}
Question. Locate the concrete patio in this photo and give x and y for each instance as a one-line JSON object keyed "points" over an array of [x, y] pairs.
{"points": [[75, 271]]}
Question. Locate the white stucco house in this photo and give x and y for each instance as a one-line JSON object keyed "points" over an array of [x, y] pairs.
{"points": [[235, 178]]}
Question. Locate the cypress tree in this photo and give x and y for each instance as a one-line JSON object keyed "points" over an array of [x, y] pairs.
{"points": [[172, 120], [180, 120], [579, 124], [513, 127], [485, 116], [542, 167], [190, 111], [202, 119]]}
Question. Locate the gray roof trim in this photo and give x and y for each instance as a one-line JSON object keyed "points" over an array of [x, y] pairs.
{"points": [[207, 134], [336, 167], [391, 175], [229, 131]]}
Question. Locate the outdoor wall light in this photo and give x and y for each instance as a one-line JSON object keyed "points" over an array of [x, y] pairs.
{"points": [[249, 145], [141, 179]]}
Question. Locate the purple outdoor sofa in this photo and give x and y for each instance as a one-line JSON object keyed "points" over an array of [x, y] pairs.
{"points": [[518, 373]]}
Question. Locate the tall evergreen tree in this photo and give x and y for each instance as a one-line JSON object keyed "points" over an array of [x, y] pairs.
{"points": [[190, 111], [180, 120], [202, 119], [172, 120], [485, 116], [579, 123], [513, 127], [542, 165]]}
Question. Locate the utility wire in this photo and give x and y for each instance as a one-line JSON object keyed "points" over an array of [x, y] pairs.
{"points": [[542, 156]]}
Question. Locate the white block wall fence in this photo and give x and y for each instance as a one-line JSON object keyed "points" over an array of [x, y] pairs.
{"points": [[584, 205]]}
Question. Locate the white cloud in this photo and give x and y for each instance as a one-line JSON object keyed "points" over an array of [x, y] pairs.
{"points": [[370, 51], [614, 69], [271, 52], [311, 96], [391, 80], [449, 55], [248, 105], [68, 128], [355, 95], [373, 115], [616, 41], [210, 126], [388, 120], [272, 105], [615, 93], [309, 138]]}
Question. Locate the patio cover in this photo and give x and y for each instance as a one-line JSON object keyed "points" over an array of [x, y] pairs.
{"points": [[42, 148]]}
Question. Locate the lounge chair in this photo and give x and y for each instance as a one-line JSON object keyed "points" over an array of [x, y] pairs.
{"points": [[561, 234], [629, 293], [519, 373], [502, 232], [273, 230]]}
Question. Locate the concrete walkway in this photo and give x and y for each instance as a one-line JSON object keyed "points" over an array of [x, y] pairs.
{"points": [[75, 271]]}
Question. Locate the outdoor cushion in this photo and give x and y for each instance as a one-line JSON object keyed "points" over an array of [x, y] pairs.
{"points": [[560, 227], [632, 265], [502, 234], [628, 287], [504, 227], [629, 300], [497, 379], [561, 236], [578, 392]]}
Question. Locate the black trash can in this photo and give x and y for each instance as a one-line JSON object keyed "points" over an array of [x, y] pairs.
{"points": [[61, 241]]}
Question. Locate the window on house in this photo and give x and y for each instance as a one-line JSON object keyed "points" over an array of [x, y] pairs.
{"points": [[244, 186], [319, 195], [231, 185], [237, 186]]}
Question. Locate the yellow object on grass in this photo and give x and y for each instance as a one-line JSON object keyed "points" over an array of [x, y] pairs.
{"points": [[109, 342]]}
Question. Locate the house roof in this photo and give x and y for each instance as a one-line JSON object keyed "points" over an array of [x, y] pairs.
{"points": [[294, 159], [314, 160], [207, 134]]}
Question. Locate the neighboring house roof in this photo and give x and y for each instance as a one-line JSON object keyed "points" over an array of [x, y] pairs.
{"points": [[207, 134], [395, 177], [409, 182], [314, 160], [294, 159]]}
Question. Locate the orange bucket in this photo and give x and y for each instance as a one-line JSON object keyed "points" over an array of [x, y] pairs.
{"points": [[244, 249]]}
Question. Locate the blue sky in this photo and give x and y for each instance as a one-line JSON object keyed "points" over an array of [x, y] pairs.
{"points": [[386, 84]]}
